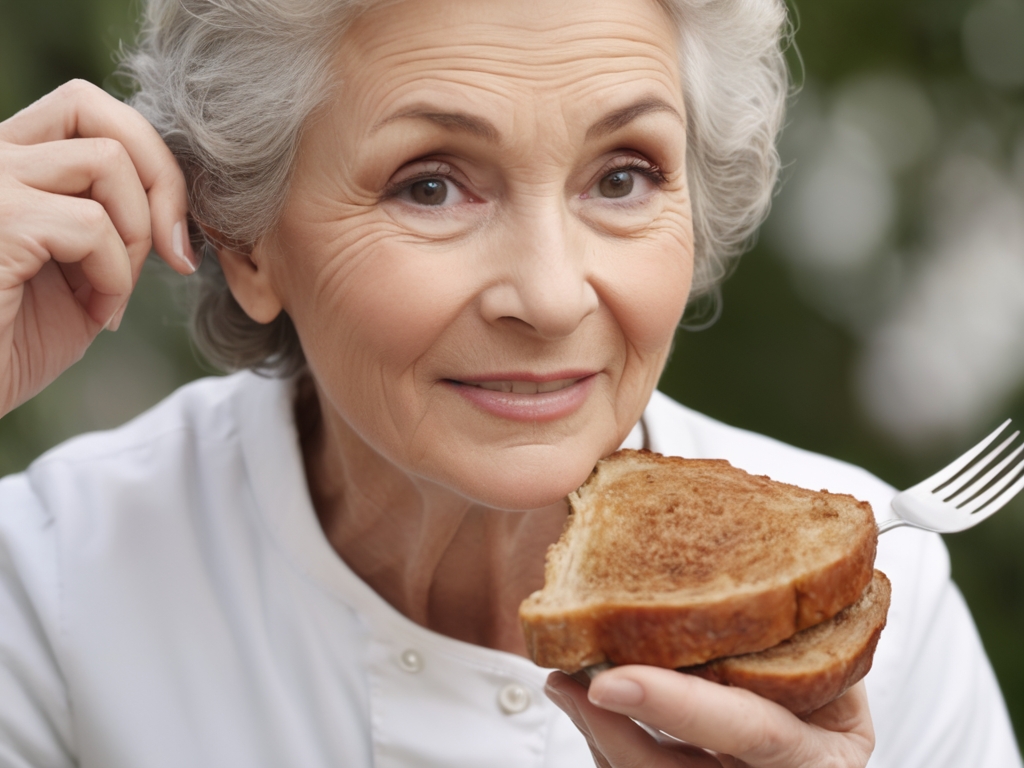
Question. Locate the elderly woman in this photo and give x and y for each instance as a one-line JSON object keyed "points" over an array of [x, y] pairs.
{"points": [[463, 233]]}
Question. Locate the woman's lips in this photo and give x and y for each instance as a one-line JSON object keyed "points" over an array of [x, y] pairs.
{"points": [[524, 387], [522, 399]]}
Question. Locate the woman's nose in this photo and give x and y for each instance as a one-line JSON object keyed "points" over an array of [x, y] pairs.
{"points": [[543, 278]]}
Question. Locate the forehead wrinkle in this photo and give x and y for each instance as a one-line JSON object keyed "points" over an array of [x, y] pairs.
{"points": [[510, 36], [388, 69], [564, 65], [528, 43], [581, 74]]}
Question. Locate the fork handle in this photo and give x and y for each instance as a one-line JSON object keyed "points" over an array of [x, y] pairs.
{"points": [[888, 525]]}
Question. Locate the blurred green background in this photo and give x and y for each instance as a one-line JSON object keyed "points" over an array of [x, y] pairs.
{"points": [[880, 319]]}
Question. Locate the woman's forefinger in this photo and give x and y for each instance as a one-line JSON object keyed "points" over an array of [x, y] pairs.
{"points": [[81, 110]]}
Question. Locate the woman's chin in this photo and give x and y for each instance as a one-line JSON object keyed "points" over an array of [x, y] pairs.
{"points": [[526, 485]]}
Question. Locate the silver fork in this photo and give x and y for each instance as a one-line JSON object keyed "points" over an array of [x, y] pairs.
{"points": [[956, 498]]}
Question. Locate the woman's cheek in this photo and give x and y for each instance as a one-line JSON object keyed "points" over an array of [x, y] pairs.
{"points": [[648, 294], [401, 301]]}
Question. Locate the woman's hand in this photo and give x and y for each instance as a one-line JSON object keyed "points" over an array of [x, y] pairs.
{"points": [[726, 726], [87, 187]]}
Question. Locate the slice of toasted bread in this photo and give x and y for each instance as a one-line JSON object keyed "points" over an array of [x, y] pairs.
{"points": [[817, 665], [673, 562]]}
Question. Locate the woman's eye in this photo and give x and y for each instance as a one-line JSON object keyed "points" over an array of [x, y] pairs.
{"points": [[616, 184], [432, 189], [624, 183], [429, 191]]}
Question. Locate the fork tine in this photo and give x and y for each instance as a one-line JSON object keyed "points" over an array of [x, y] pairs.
{"points": [[988, 507], [976, 483], [945, 475]]}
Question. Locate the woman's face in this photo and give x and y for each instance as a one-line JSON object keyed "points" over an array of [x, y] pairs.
{"points": [[487, 245]]}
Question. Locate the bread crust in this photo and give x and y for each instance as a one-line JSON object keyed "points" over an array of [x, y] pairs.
{"points": [[673, 625], [815, 666]]}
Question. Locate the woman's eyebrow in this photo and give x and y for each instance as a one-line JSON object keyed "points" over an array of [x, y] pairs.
{"points": [[613, 121], [455, 121]]}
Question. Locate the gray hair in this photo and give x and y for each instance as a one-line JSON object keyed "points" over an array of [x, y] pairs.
{"points": [[230, 84]]}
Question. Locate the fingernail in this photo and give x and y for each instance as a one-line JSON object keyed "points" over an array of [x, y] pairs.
{"points": [[115, 322], [616, 692], [182, 248]]}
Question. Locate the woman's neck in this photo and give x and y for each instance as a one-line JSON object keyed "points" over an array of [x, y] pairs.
{"points": [[448, 564]]}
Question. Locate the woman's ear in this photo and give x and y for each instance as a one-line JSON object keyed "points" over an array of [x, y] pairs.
{"points": [[249, 281]]}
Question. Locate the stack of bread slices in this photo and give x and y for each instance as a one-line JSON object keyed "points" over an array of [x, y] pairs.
{"points": [[700, 566]]}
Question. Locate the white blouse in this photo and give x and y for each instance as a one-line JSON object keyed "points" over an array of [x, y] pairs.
{"points": [[167, 599]]}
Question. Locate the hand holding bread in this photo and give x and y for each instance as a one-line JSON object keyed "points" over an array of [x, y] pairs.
{"points": [[745, 582], [725, 726]]}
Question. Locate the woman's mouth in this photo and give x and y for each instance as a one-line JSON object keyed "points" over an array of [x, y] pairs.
{"points": [[527, 399], [523, 387]]}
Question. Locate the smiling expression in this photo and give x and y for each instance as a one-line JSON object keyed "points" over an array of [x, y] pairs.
{"points": [[486, 245]]}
